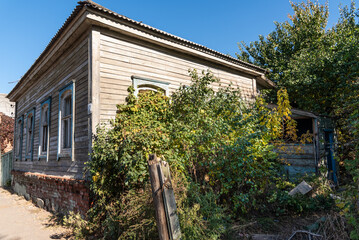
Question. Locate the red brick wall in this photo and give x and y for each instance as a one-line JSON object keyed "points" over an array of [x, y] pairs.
{"points": [[58, 194]]}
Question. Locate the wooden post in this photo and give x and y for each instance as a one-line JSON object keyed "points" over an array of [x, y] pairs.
{"points": [[153, 167], [169, 201]]}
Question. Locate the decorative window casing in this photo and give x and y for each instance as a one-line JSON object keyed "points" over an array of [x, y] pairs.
{"points": [[66, 121], [44, 136], [19, 136], [141, 84], [29, 130]]}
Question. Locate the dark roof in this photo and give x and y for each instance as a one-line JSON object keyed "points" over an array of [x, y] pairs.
{"points": [[296, 112], [95, 6]]}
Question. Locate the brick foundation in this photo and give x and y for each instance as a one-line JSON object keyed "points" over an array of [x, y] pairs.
{"points": [[55, 194]]}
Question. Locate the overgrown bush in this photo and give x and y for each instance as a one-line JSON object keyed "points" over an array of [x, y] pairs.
{"points": [[220, 150]]}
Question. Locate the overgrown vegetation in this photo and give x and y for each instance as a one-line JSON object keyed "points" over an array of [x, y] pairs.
{"points": [[319, 67], [6, 132], [220, 150]]}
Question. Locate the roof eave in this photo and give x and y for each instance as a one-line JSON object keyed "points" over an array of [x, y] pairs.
{"points": [[172, 41], [295, 111], [265, 82], [99, 8], [103, 19], [69, 23]]}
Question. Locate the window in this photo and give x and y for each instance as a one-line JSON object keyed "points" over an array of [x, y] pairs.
{"points": [[30, 122], [66, 122], [141, 84], [19, 134], [44, 129], [304, 125]]}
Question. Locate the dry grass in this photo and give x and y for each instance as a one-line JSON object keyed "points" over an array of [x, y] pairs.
{"points": [[330, 226]]}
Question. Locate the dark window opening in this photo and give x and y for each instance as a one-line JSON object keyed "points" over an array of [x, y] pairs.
{"points": [[304, 125]]}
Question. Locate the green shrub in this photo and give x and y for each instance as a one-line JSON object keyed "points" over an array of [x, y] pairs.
{"points": [[80, 227], [220, 151]]}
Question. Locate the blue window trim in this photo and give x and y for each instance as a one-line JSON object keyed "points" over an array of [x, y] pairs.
{"points": [[32, 111], [48, 102], [69, 86], [19, 157]]}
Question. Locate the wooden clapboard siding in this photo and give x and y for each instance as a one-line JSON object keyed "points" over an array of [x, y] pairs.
{"points": [[72, 65], [122, 57], [299, 158]]}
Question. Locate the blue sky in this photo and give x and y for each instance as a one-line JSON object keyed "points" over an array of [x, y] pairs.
{"points": [[28, 26]]}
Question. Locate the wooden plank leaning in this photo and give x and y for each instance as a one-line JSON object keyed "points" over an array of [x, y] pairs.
{"points": [[164, 199], [153, 167], [169, 202]]}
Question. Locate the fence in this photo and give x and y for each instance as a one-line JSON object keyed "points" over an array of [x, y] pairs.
{"points": [[5, 168]]}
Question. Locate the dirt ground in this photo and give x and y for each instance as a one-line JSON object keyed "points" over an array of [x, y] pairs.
{"points": [[21, 219], [316, 225]]}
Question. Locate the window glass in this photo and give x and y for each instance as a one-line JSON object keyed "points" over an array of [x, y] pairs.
{"points": [[142, 85], [44, 128], [29, 126], [19, 129], [66, 120], [66, 117], [67, 133], [67, 106], [29, 133]]}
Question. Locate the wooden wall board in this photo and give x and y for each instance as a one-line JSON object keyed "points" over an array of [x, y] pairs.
{"points": [[122, 57], [72, 65]]}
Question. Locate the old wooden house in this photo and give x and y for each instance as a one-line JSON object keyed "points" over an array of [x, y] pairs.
{"points": [[304, 158], [76, 83]]}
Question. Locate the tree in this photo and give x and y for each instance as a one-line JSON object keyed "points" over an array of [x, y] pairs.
{"points": [[6, 131], [318, 67]]}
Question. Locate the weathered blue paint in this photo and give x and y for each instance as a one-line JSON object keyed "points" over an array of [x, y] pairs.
{"points": [[48, 102], [30, 155], [329, 150], [5, 168], [19, 119], [59, 139], [296, 172]]}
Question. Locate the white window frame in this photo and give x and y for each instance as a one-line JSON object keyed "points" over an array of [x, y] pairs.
{"points": [[19, 137], [29, 139], [141, 83], [46, 105], [64, 93]]}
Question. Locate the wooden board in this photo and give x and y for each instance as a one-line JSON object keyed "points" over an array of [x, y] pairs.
{"points": [[72, 65], [122, 57]]}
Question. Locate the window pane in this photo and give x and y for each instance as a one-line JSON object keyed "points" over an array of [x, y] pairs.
{"points": [[44, 138], [145, 90], [18, 142], [45, 117], [44, 127], [67, 106], [69, 135], [29, 123], [29, 134], [66, 126]]}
